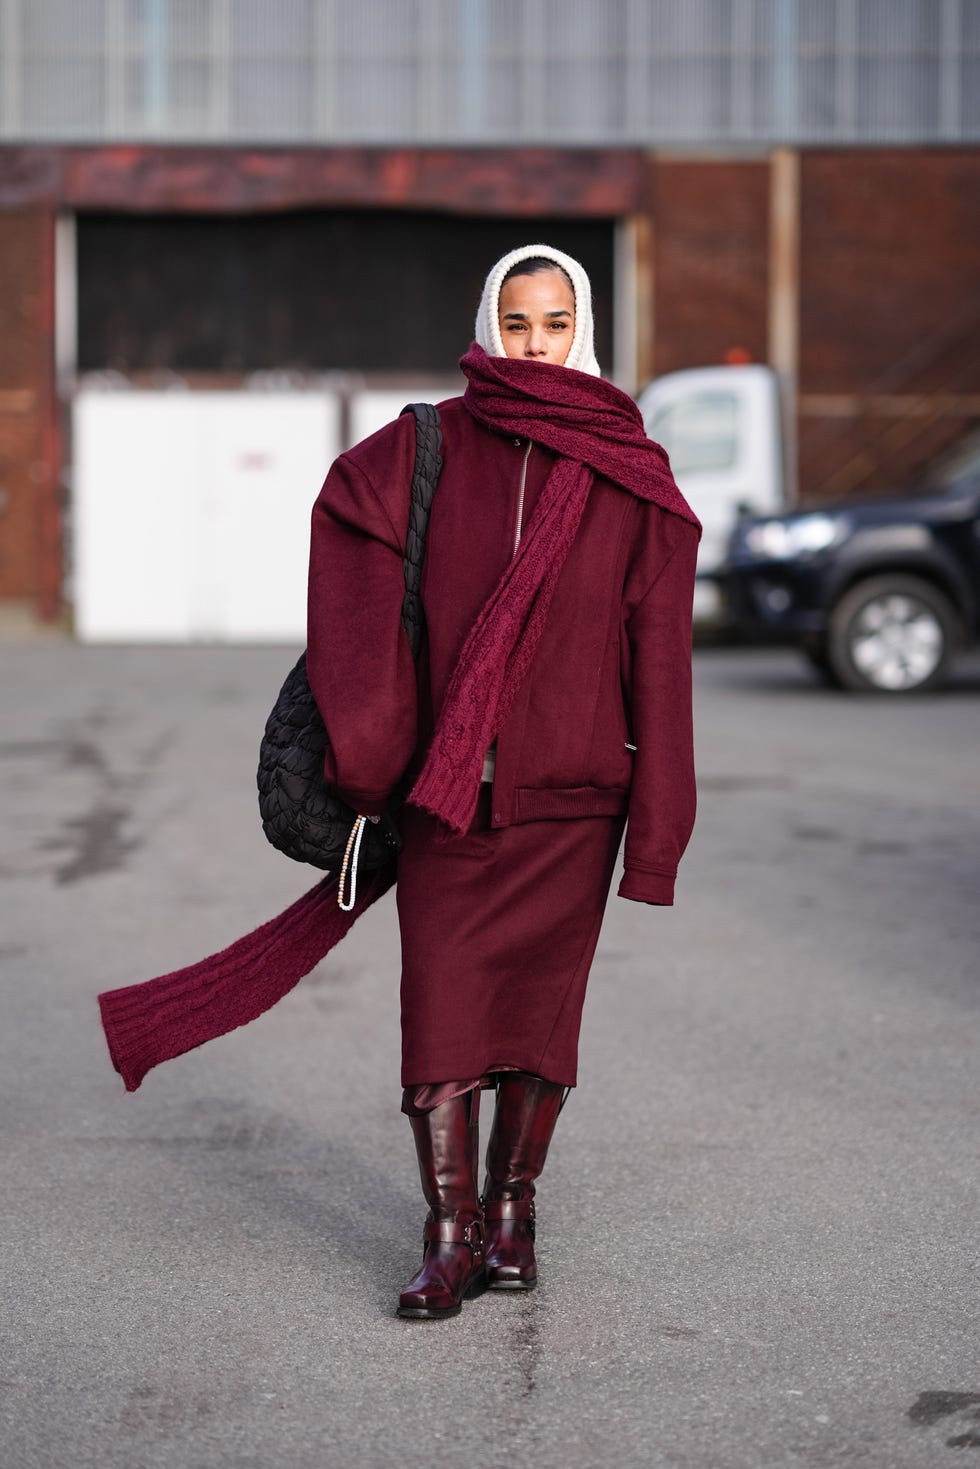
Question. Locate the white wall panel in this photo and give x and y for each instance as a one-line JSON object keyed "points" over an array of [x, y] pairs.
{"points": [[372, 408], [134, 518], [192, 511]]}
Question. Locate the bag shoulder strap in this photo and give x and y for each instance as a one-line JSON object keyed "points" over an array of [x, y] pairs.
{"points": [[425, 477]]}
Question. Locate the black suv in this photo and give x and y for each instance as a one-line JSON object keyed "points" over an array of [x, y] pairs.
{"points": [[879, 593]]}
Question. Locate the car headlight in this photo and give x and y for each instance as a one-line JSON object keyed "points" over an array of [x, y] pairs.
{"points": [[781, 540]]}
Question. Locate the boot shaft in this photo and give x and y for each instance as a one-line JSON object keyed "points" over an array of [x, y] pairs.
{"points": [[446, 1142], [524, 1122]]}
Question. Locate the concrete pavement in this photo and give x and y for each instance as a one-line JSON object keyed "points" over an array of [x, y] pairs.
{"points": [[758, 1223]]}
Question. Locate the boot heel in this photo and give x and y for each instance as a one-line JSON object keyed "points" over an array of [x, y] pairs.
{"points": [[476, 1287], [427, 1313], [513, 1284]]}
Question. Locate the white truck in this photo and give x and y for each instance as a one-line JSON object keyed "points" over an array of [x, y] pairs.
{"points": [[721, 428]]}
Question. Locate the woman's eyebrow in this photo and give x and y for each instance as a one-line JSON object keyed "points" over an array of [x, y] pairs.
{"points": [[522, 315]]}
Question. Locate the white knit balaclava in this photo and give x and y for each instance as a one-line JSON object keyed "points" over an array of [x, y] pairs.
{"points": [[581, 354]]}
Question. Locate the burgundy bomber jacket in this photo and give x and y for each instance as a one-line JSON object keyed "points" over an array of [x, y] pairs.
{"points": [[602, 724]]}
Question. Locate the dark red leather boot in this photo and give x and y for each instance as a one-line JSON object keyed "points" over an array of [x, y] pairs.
{"points": [[452, 1260], [527, 1110]]}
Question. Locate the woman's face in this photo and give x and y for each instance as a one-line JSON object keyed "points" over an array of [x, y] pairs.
{"points": [[537, 316]]}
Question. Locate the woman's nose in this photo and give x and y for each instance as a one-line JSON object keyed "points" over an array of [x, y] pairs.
{"points": [[537, 343]]}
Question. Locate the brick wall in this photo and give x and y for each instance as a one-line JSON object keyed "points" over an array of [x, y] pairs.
{"points": [[710, 260], [889, 312]]}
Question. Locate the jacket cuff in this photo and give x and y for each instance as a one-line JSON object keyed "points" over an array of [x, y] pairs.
{"points": [[363, 804], [647, 887]]}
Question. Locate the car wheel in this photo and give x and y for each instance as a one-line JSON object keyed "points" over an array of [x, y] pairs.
{"points": [[891, 635], [816, 654]]}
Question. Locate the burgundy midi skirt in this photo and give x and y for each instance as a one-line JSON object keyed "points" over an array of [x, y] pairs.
{"points": [[498, 931]]}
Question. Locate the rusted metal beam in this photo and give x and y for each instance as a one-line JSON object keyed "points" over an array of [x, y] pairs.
{"points": [[634, 305], [50, 547], [784, 297], [607, 183]]}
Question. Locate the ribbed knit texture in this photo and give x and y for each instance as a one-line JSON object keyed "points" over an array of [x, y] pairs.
{"points": [[581, 354], [594, 427], [161, 1018], [580, 417]]}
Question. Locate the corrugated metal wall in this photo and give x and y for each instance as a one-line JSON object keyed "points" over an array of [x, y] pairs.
{"points": [[647, 72]]}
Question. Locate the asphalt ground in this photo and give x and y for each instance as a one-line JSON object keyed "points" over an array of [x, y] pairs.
{"points": [[759, 1219]]}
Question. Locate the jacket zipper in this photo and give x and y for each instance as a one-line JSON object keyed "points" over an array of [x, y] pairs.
{"points": [[490, 758], [520, 503]]}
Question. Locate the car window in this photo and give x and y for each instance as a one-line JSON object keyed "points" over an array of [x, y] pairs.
{"points": [[699, 431]]}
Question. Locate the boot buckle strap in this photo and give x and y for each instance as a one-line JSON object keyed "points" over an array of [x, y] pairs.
{"points": [[453, 1232], [508, 1209]]}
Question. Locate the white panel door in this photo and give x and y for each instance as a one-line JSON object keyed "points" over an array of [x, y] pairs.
{"points": [[372, 408], [192, 512], [134, 515], [265, 458]]}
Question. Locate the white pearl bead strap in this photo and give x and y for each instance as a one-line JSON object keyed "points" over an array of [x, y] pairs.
{"points": [[351, 855]]}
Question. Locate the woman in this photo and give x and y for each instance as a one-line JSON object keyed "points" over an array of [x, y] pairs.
{"points": [[550, 703]]}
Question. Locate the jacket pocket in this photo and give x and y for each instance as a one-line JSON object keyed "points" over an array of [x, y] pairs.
{"points": [[546, 803]]}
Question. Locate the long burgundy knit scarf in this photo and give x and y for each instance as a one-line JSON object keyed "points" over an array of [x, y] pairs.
{"points": [[595, 428]]}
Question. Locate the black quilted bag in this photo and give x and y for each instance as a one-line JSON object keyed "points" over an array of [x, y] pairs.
{"points": [[301, 815]]}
